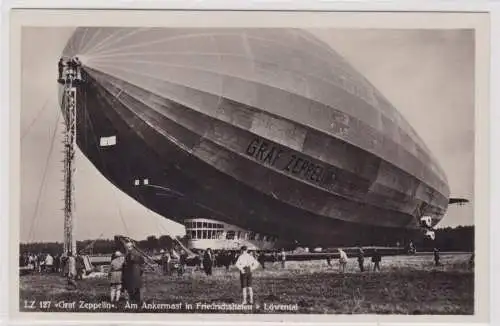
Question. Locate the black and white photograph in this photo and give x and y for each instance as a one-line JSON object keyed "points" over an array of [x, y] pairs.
{"points": [[247, 170]]}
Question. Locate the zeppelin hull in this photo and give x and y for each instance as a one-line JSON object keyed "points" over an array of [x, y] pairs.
{"points": [[273, 151]]}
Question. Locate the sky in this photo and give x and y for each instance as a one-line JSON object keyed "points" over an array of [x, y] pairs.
{"points": [[428, 75]]}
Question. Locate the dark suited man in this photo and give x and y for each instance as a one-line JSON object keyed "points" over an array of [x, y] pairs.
{"points": [[208, 261], [132, 273]]}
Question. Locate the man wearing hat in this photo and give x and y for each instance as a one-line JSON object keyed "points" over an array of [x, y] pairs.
{"points": [[132, 273], [246, 264]]}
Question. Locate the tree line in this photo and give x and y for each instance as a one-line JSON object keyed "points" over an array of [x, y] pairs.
{"points": [[460, 238]]}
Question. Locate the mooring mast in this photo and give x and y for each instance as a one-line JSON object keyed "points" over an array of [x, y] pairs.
{"points": [[70, 78]]}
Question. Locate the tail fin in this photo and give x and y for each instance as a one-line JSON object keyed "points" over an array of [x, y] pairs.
{"points": [[459, 201]]}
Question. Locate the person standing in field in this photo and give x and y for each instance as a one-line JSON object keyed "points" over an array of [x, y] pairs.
{"points": [[436, 257], [376, 259], [283, 258], [80, 267], [115, 275], [71, 263], [361, 259], [342, 260], [57, 263], [165, 261], [182, 262], [49, 263], [246, 264], [64, 264], [262, 259], [132, 273], [227, 259], [208, 261]]}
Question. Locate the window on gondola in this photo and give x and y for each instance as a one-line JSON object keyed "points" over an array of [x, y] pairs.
{"points": [[251, 236], [205, 234], [198, 225], [230, 235], [193, 234], [204, 225], [198, 234]]}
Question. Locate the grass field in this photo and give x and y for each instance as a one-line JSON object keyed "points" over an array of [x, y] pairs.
{"points": [[406, 285]]}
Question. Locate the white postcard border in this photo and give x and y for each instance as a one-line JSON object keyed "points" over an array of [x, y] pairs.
{"points": [[385, 20]]}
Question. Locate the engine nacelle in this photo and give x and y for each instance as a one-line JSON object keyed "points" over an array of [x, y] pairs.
{"points": [[426, 221], [430, 235]]}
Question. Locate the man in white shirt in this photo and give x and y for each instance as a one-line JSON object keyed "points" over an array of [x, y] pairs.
{"points": [[49, 263], [246, 263], [342, 260]]}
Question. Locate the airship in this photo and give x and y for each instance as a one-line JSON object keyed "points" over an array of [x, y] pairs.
{"points": [[268, 130]]}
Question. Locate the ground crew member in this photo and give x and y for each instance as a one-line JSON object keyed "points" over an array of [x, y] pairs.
{"points": [[342, 260], [49, 263], [262, 259], [115, 275], [132, 273], [182, 262], [208, 261], [71, 263], [361, 259], [412, 250], [226, 259], [283, 258], [246, 264], [80, 267], [436, 257], [165, 262], [376, 259]]}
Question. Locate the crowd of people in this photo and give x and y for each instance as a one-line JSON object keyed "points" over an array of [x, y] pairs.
{"points": [[376, 258], [173, 262], [46, 263], [126, 269]]}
